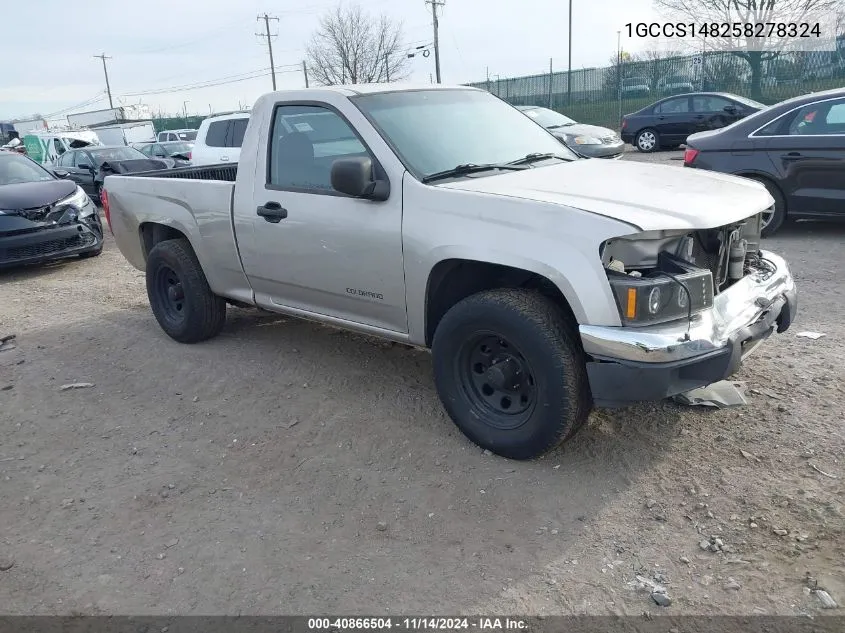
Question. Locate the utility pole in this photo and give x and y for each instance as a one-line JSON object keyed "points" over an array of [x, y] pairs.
{"points": [[434, 4], [185, 112], [551, 77], [305, 72], [569, 73], [106, 73], [269, 37]]}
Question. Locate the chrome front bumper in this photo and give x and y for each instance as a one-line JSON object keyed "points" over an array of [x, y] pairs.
{"points": [[706, 350]]}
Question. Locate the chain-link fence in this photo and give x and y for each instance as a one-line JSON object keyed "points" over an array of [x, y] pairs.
{"points": [[601, 95], [177, 123]]}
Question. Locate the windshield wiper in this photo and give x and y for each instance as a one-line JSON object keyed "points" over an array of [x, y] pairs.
{"points": [[533, 158], [469, 168], [554, 127]]}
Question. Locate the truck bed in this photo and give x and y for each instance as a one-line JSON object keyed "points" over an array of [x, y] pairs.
{"points": [[224, 173]]}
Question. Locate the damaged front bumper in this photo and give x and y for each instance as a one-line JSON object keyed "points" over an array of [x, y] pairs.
{"points": [[630, 364], [25, 241]]}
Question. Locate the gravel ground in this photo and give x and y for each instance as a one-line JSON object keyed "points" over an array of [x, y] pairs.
{"points": [[286, 467]]}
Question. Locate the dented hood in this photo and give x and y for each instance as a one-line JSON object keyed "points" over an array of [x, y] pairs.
{"points": [[648, 196]]}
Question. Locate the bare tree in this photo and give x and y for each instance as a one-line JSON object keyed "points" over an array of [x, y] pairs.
{"points": [[750, 11], [352, 47]]}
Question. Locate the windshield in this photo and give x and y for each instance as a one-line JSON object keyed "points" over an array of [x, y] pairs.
{"points": [[116, 153], [177, 148], [15, 169], [436, 130], [548, 118]]}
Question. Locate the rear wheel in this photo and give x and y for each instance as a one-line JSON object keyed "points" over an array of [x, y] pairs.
{"points": [[647, 141], [510, 372], [772, 219], [180, 297]]}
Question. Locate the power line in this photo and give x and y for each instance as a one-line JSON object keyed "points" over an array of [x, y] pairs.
{"points": [[106, 72], [269, 37], [87, 102], [434, 4], [220, 81]]}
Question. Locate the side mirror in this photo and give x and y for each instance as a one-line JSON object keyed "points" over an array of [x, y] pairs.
{"points": [[354, 177], [85, 166], [60, 173]]}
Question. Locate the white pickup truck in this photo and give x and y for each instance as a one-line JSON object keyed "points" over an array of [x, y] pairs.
{"points": [[544, 284]]}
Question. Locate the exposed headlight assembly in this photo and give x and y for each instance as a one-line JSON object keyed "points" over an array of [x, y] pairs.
{"points": [[78, 199], [674, 290]]}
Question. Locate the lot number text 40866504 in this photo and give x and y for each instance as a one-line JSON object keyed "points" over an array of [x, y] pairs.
{"points": [[416, 624]]}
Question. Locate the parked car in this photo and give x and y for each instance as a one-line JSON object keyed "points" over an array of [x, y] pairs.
{"points": [[588, 141], [43, 217], [668, 122], [219, 139], [471, 231], [89, 166], [635, 87], [675, 85], [796, 149], [177, 135], [177, 151]]}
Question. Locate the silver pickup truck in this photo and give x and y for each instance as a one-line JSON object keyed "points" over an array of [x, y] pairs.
{"points": [[544, 284]]}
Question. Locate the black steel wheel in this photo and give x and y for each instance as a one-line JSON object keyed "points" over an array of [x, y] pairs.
{"points": [[497, 379], [180, 297], [510, 372]]}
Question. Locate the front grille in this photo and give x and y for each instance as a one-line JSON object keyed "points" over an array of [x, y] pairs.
{"points": [[50, 247]]}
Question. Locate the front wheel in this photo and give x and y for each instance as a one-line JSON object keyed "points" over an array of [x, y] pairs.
{"points": [[647, 141], [510, 372], [180, 297]]}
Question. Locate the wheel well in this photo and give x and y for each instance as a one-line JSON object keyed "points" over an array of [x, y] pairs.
{"points": [[452, 280], [153, 233]]}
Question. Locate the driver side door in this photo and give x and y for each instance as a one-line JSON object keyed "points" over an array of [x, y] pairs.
{"points": [[312, 248]]}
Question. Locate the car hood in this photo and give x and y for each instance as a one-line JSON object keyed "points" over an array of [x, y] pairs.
{"points": [[647, 196], [582, 129], [31, 195]]}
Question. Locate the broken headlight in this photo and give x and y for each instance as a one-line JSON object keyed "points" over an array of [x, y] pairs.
{"points": [[80, 200], [675, 289]]}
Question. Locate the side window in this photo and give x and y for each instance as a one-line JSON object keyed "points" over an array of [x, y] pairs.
{"points": [[158, 151], [836, 115], [673, 106], [59, 146], [306, 140], [65, 160], [216, 135], [237, 129], [827, 117], [709, 103]]}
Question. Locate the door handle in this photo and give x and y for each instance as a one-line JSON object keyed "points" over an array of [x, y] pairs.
{"points": [[660, 118], [273, 212], [792, 156], [699, 116]]}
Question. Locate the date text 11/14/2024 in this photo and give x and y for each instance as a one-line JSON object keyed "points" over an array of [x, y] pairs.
{"points": [[419, 623]]}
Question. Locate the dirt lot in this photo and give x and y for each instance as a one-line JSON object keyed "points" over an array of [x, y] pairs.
{"points": [[286, 467]]}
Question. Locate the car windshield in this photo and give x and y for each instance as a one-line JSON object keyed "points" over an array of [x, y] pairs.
{"points": [[548, 118], [16, 169], [177, 148], [187, 136], [436, 130], [116, 153]]}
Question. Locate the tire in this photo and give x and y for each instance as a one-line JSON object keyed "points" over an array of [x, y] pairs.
{"points": [[776, 220], [98, 195], [647, 140], [180, 297], [534, 345]]}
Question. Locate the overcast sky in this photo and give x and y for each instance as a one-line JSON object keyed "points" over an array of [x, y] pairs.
{"points": [[156, 45]]}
